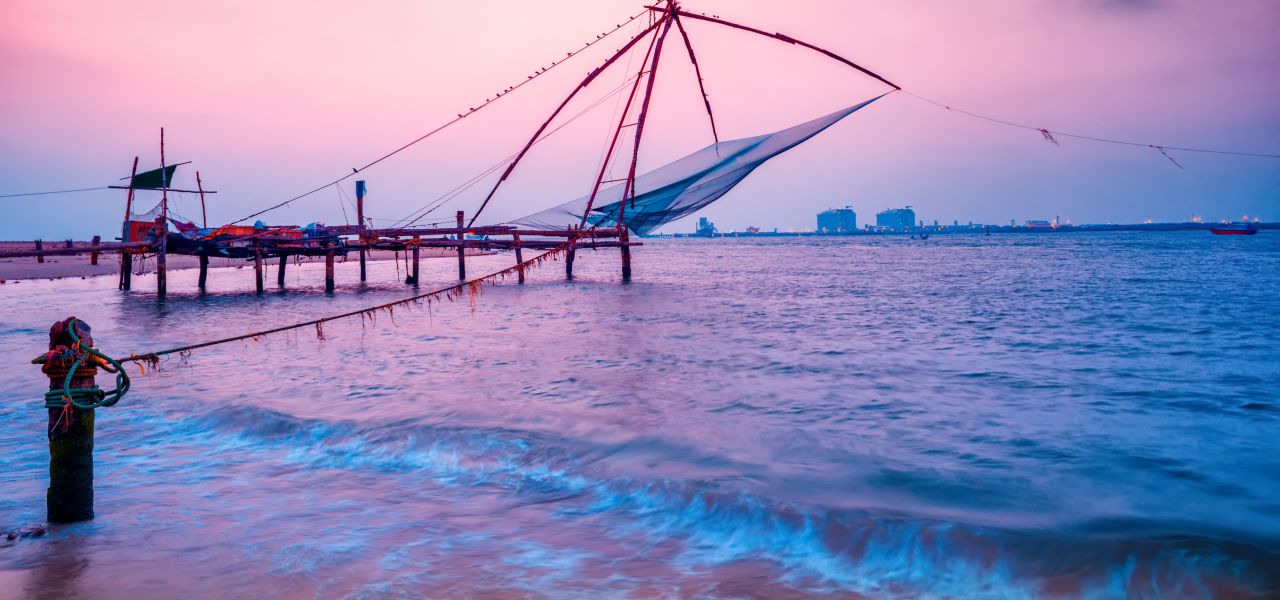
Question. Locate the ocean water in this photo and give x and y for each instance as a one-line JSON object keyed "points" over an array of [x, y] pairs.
{"points": [[1015, 416]]}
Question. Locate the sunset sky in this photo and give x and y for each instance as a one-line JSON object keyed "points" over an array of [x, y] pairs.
{"points": [[270, 99]]}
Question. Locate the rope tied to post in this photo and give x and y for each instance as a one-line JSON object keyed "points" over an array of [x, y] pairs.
{"points": [[80, 359]]}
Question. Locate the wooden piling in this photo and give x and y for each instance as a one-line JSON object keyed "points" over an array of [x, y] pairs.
{"points": [[284, 260], [515, 243], [39, 247], [568, 255], [126, 271], [417, 240], [69, 497], [204, 271], [624, 236], [126, 258], [257, 269], [328, 271], [93, 256], [462, 251], [360, 189], [162, 246]]}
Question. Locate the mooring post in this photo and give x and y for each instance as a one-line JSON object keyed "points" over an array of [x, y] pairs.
{"points": [[462, 250], [417, 239], [162, 246], [284, 260], [204, 271], [126, 270], [70, 429], [568, 256], [93, 256], [624, 236], [515, 242], [360, 189], [40, 247], [328, 271], [257, 268]]}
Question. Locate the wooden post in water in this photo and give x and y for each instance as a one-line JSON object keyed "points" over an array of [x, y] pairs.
{"points": [[462, 251], [360, 189], [515, 242], [126, 257], [417, 239], [39, 247], [69, 497], [162, 227], [284, 260], [162, 247], [568, 255], [624, 236], [93, 256], [328, 271], [204, 271], [257, 268]]}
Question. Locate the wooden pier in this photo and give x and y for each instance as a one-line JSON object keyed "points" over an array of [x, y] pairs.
{"points": [[261, 250]]}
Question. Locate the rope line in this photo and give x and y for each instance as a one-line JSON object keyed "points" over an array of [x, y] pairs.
{"points": [[1049, 133], [431, 207], [461, 116], [472, 287], [82, 398], [53, 192]]}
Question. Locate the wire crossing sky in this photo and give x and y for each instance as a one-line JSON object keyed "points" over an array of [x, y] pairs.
{"points": [[310, 91]]}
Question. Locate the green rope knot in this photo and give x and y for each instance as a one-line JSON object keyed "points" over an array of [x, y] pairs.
{"points": [[90, 397]]}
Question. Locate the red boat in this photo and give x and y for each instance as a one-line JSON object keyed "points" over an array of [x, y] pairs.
{"points": [[1235, 229]]}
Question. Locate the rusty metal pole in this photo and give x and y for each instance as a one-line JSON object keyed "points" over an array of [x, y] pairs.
{"points": [[70, 429], [462, 250]]}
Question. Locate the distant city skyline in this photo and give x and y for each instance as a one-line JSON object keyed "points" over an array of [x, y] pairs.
{"points": [[301, 98]]}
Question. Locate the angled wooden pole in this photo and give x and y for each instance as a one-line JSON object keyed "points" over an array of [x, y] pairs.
{"points": [[581, 86], [126, 258], [204, 216], [360, 190]]}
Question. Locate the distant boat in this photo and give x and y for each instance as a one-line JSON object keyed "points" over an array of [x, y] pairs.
{"points": [[1235, 229]]}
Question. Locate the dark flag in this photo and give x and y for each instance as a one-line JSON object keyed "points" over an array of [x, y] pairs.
{"points": [[152, 180]]}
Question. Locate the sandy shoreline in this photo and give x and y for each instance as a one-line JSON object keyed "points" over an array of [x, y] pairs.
{"points": [[59, 267]]}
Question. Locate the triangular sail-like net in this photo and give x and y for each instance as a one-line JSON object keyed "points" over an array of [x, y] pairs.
{"points": [[679, 188]]}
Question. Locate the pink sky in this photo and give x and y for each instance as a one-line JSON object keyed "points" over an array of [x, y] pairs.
{"points": [[270, 99]]}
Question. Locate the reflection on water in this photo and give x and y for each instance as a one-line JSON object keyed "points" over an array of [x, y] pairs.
{"points": [[1008, 416]]}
